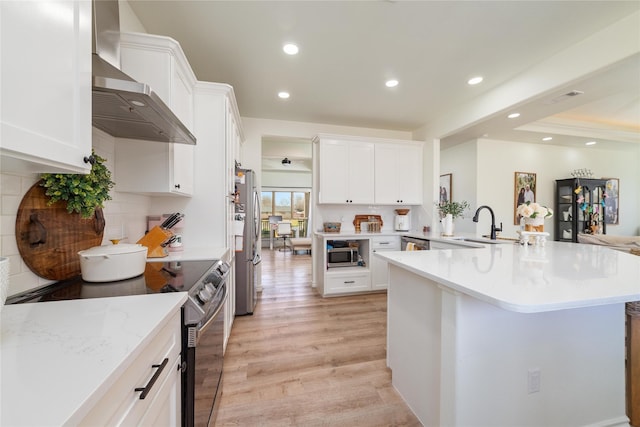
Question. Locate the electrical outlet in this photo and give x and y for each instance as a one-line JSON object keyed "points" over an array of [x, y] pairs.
{"points": [[533, 380]]}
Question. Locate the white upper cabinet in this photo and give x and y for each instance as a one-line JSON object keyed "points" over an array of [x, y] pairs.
{"points": [[346, 171], [398, 173], [157, 167], [358, 170], [45, 112]]}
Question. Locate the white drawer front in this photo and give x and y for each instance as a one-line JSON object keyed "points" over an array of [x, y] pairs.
{"points": [[348, 283]]}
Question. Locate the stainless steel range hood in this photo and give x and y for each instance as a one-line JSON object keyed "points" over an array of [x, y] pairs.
{"points": [[123, 107]]}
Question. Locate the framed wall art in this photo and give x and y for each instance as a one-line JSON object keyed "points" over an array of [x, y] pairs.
{"points": [[445, 188], [612, 201], [525, 191]]}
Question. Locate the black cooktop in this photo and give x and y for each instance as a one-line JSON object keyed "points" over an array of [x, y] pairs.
{"points": [[174, 276]]}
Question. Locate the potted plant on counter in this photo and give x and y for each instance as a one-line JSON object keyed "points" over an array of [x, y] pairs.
{"points": [[449, 211]]}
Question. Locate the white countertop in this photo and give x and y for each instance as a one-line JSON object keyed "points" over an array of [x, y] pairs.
{"points": [[530, 279], [58, 356]]}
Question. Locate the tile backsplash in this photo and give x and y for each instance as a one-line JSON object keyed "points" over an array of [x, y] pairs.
{"points": [[125, 215]]}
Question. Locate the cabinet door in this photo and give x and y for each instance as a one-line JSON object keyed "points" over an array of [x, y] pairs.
{"points": [[410, 167], [46, 85], [387, 181], [333, 172], [153, 167], [360, 169], [398, 174], [346, 172], [165, 408], [379, 267], [566, 209], [182, 179]]}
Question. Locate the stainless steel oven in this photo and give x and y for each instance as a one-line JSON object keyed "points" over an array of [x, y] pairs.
{"points": [[203, 322], [203, 348]]}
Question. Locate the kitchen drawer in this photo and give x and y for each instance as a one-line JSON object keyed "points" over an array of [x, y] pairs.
{"points": [[390, 243], [346, 283], [121, 404]]}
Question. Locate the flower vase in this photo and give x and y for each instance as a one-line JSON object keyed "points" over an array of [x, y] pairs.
{"points": [[447, 225], [534, 224]]}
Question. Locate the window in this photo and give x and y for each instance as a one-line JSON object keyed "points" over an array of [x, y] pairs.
{"points": [[293, 206], [288, 204]]}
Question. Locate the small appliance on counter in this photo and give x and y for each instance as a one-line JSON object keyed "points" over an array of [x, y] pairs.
{"points": [[402, 222]]}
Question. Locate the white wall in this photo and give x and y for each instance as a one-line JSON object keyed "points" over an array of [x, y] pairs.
{"points": [[286, 179], [124, 214], [129, 21], [460, 161], [497, 161]]}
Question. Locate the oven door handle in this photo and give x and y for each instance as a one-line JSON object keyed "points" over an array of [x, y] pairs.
{"points": [[202, 328]]}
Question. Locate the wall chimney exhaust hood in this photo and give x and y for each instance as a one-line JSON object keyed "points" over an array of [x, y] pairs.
{"points": [[123, 107]]}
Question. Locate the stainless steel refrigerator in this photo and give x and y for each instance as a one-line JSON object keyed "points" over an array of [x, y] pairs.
{"points": [[247, 209]]}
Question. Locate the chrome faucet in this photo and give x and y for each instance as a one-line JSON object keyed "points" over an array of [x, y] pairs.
{"points": [[493, 220]]}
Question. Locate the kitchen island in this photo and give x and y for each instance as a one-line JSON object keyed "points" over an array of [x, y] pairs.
{"points": [[511, 335], [62, 359]]}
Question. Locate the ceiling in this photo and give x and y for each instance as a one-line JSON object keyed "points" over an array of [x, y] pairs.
{"points": [[348, 49]]}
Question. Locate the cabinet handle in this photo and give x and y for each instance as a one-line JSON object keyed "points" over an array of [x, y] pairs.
{"points": [[146, 389], [177, 186], [349, 281]]}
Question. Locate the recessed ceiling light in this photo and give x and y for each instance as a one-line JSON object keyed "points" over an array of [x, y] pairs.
{"points": [[547, 138], [475, 80], [391, 83], [590, 143], [290, 49], [283, 95], [513, 115]]}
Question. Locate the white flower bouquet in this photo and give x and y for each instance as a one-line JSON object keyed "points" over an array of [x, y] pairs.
{"points": [[534, 210]]}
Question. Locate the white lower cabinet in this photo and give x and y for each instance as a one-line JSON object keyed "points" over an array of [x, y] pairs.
{"points": [[370, 277], [154, 372], [379, 267], [336, 282]]}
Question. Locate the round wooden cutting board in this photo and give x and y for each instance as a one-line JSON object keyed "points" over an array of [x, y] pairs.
{"points": [[49, 237]]}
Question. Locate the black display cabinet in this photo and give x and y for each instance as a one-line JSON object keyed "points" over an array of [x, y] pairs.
{"points": [[579, 208]]}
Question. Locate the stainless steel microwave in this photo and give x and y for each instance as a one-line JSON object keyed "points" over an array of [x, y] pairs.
{"points": [[342, 257]]}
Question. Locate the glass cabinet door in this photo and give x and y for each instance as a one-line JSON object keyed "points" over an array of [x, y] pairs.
{"points": [[579, 208]]}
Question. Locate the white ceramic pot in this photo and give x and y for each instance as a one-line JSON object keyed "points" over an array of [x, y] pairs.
{"points": [[447, 225], [112, 262]]}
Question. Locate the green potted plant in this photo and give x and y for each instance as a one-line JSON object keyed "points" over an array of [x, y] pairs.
{"points": [[83, 193], [455, 209], [449, 211]]}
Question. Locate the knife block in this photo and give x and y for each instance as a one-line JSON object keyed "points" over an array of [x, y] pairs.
{"points": [[153, 241]]}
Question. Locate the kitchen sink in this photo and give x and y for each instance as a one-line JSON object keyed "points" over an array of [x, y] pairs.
{"points": [[486, 240]]}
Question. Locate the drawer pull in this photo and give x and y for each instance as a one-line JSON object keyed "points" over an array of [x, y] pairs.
{"points": [[349, 281], [146, 389]]}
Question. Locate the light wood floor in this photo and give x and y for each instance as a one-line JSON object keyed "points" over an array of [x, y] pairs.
{"points": [[303, 360]]}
